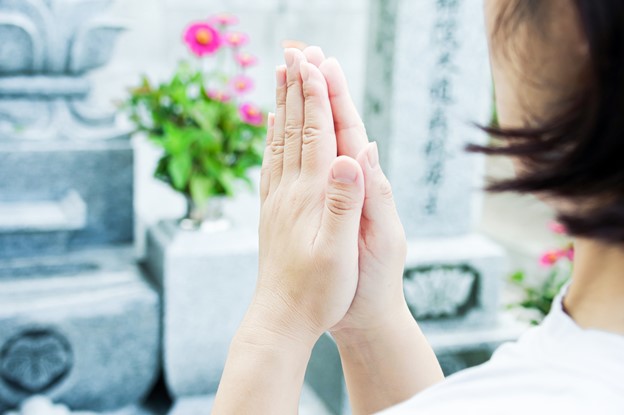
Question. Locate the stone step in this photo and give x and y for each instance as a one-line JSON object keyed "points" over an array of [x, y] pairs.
{"points": [[41, 226], [92, 318]]}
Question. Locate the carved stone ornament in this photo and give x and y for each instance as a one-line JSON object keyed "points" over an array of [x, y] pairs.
{"points": [[35, 360], [54, 36], [46, 48], [439, 291]]}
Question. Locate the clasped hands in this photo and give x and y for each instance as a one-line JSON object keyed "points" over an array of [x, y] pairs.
{"points": [[332, 248]]}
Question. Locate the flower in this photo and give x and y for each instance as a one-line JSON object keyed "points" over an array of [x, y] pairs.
{"points": [[224, 19], [242, 84], [202, 39], [550, 258], [236, 39], [245, 59], [251, 114], [570, 253], [557, 228], [220, 96]]}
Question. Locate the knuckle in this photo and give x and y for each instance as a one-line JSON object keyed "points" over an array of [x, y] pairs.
{"points": [[277, 148], [293, 82], [292, 132], [385, 189], [311, 133], [340, 203]]}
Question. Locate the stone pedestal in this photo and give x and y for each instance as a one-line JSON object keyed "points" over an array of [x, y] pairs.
{"points": [[78, 322], [59, 195], [207, 282], [82, 329]]}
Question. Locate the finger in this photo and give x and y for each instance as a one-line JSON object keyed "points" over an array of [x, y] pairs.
{"points": [[277, 145], [294, 114], [314, 55], [344, 197], [379, 207], [296, 44], [265, 175], [350, 132], [319, 140]]}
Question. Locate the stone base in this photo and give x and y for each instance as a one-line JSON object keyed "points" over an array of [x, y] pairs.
{"points": [[207, 281], [100, 173], [454, 282], [82, 329]]}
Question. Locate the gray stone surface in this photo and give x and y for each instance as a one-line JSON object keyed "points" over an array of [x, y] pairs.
{"points": [[54, 37], [324, 375], [454, 282], [207, 282], [82, 329], [100, 173], [428, 80]]}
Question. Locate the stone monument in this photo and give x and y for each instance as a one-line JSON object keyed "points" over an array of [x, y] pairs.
{"points": [[428, 82], [78, 321]]}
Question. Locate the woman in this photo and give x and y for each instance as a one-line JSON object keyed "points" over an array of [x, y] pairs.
{"points": [[332, 246]]}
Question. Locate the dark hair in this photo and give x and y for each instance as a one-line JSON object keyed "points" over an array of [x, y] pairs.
{"points": [[577, 154]]}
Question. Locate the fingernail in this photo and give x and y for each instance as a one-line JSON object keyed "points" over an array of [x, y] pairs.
{"points": [[343, 172], [305, 72], [280, 76], [289, 57], [373, 155], [271, 119]]}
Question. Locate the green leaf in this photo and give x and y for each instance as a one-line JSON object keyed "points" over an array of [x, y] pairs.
{"points": [[180, 170], [517, 277], [228, 181], [202, 188]]}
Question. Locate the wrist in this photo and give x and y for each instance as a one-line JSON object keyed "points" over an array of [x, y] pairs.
{"points": [[386, 326], [273, 326]]}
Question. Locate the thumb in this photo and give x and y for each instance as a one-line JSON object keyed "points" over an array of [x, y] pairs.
{"points": [[344, 198], [379, 207]]}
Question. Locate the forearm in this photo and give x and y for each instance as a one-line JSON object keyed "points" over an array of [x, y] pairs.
{"points": [[386, 365], [264, 372]]}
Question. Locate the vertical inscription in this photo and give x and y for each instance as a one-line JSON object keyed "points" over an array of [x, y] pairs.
{"points": [[445, 42]]}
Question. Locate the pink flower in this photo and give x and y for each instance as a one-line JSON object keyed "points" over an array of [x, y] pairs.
{"points": [[570, 253], [202, 39], [224, 19], [242, 84], [251, 114], [557, 228], [245, 59], [220, 96], [236, 39], [550, 258]]}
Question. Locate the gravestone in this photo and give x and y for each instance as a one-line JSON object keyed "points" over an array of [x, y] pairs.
{"points": [[428, 82], [79, 323]]}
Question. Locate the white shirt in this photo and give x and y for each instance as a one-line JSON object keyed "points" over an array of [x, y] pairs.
{"points": [[555, 368]]}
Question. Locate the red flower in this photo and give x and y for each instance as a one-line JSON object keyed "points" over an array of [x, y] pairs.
{"points": [[220, 96], [551, 257], [242, 84], [236, 39], [251, 114], [202, 39], [557, 228], [245, 59], [224, 19]]}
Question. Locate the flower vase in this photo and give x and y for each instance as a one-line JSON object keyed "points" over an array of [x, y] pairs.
{"points": [[205, 217]]}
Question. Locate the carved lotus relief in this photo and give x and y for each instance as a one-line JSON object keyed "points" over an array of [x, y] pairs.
{"points": [[54, 36], [35, 360], [440, 291]]}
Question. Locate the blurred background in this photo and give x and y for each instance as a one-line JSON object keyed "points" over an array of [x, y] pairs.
{"points": [[120, 291]]}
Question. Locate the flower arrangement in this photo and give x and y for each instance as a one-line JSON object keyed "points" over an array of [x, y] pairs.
{"points": [[210, 135], [538, 297]]}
